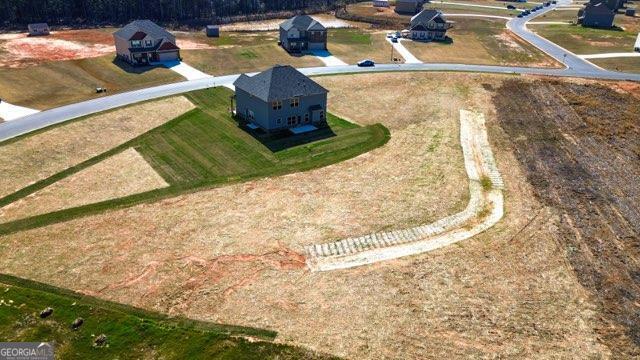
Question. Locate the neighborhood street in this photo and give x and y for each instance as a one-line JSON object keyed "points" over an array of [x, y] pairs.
{"points": [[576, 67]]}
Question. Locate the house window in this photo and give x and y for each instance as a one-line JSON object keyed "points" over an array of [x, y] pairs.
{"points": [[276, 105], [295, 102], [321, 115], [148, 43], [279, 121], [136, 43], [306, 118]]}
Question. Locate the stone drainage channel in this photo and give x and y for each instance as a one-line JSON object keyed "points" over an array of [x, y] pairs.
{"points": [[485, 209]]}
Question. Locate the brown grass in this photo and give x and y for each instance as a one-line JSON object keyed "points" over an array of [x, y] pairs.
{"points": [[126, 173], [229, 254], [39, 156]]}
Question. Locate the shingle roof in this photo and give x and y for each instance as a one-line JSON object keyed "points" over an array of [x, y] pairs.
{"points": [[146, 26], [425, 16], [302, 22], [278, 83]]}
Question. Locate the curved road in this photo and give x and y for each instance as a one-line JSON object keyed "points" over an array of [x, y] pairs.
{"points": [[576, 67]]}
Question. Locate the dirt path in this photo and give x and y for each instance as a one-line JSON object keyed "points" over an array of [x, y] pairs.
{"points": [[484, 210]]}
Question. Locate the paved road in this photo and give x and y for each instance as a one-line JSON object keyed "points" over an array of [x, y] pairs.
{"points": [[576, 67]]}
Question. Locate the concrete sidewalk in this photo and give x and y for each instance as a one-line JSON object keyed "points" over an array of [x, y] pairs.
{"points": [[610, 55], [10, 112]]}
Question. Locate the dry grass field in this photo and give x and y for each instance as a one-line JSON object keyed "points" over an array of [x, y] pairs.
{"points": [[232, 254], [120, 175], [481, 41], [25, 161]]}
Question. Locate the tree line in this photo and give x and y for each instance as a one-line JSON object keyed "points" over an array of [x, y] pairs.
{"points": [[93, 12]]}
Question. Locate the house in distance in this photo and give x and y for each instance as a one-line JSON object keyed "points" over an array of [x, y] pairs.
{"points": [[429, 25], [302, 33], [597, 13], [38, 29], [409, 7], [280, 98], [143, 42]]}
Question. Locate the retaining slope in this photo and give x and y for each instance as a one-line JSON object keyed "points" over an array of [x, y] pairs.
{"points": [[484, 210]]}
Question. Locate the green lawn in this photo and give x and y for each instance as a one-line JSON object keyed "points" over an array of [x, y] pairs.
{"points": [[205, 148], [353, 45], [131, 333], [241, 52], [59, 83], [583, 40]]}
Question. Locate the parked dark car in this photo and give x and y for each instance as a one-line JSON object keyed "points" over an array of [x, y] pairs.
{"points": [[520, 15], [366, 63], [554, 2], [511, 7]]}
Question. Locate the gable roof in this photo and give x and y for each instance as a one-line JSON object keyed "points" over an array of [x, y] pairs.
{"points": [[148, 27], [302, 22], [278, 83], [598, 7], [427, 15]]}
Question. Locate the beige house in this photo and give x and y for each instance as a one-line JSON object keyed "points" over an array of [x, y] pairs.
{"points": [[142, 42]]}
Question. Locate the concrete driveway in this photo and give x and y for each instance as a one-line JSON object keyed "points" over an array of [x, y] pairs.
{"points": [[326, 57], [189, 72], [10, 112], [404, 52]]}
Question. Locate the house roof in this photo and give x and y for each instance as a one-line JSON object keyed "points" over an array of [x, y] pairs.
{"points": [[278, 83], [600, 7], [132, 30], [167, 45], [302, 22], [427, 15]]}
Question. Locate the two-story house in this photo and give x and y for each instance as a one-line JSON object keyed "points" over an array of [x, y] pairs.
{"points": [[429, 25], [143, 42], [302, 33], [280, 98], [596, 13]]}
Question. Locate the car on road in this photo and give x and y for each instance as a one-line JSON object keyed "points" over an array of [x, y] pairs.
{"points": [[394, 39], [554, 2], [525, 13], [533, 10], [547, 4], [520, 15], [366, 63]]}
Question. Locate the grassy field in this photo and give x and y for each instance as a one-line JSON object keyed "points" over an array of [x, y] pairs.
{"points": [[619, 64], [205, 147], [58, 83], [131, 333], [582, 40], [367, 10], [480, 41], [556, 15], [243, 52], [353, 45]]}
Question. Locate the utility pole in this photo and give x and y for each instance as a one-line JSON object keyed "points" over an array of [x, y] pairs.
{"points": [[392, 52]]}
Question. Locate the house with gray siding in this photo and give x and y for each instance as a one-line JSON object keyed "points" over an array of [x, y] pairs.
{"points": [[409, 7], [143, 42], [302, 33], [280, 98], [429, 25], [596, 13]]}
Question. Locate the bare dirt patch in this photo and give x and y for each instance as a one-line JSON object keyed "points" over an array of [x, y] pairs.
{"points": [[219, 254], [123, 174], [41, 155], [329, 21], [582, 160], [21, 51]]}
